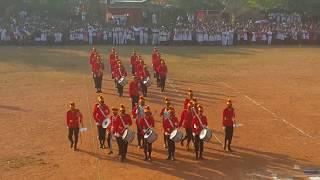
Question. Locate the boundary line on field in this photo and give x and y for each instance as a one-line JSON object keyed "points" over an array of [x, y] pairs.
{"points": [[91, 127], [267, 110]]}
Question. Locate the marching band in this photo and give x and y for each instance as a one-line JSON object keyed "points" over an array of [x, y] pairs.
{"points": [[119, 123]]}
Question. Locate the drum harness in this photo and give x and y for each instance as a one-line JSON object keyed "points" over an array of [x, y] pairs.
{"points": [[99, 106]]}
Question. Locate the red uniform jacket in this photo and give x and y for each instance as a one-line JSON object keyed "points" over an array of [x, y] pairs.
{"points": [[120, 72], [143, 74], [112, 58], [138, 68], [92, 60], [133, 60], [155, 61], [111, 125], [144, 126], [162, 70], [185, 103], [186, 118], [169, 127], [119, 127], [74, 118], [134, 88], [196, 125], [98, 115], [227, 117], [164, 111], [98, 68], [135, 113]]}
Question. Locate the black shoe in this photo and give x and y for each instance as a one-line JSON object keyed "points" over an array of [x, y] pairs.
{"points": [[71, 145], [110, 152], [169, 157], [229, 148], [146, 158], [75, 148]]}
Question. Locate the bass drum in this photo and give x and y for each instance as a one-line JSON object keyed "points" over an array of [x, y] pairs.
{"points": [[128, 135], [106, 123], [206, 134], [176, 135], [147, 82], [150, 136], [123, 81]]}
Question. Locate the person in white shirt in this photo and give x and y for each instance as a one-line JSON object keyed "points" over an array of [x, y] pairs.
{"points": [[269, 35], [254, 38], [114, 35], [141, 36], [124, 35], [155, 36], [3, 34], [145, 35], [230, 39], [90, 34]]}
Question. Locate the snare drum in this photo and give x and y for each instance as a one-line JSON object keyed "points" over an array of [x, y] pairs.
{"points": [[206, 134], [106, 123], [122, 81], [147, 82], [176, 135], [128, 135], [151, 136]]}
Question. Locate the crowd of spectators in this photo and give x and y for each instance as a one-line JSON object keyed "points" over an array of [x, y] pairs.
{"points": [[277, 28]]}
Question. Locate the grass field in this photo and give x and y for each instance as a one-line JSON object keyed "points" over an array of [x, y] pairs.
{"points": [[276, 94]]}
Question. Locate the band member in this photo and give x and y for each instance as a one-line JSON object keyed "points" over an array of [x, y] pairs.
{"points": [[120, 124], [92, 58], [170, 124], [112, 59], [139, 66], [134, 91], [228, 120], [155, 60], [187, 100], [133, 61], [156, 65], [199, 122], [143, 75], [93, 53], [186, 122], [98, 68], [100, 113], [138, 113], [119, 73], [110, 129], [165, 113], [147, 123], [162, 71], [74, 119]]}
